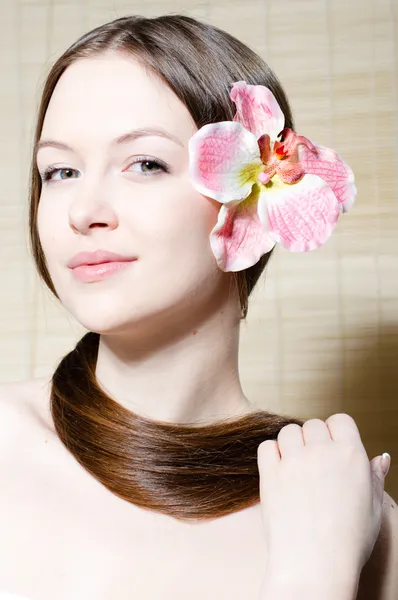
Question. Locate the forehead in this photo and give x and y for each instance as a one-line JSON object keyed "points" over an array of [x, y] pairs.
{"points": [[110, 94]]}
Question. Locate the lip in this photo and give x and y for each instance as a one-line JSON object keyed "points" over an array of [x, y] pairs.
{"points": [[97, 258], [99, 271]]}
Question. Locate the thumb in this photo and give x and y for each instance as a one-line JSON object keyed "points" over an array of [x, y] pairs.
{"points": [[380, 466]]}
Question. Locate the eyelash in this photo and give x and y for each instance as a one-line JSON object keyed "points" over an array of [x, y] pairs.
{"points": [[46, 175]]}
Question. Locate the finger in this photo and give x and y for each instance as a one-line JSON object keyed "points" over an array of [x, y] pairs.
{"points": [[378, 479], [268, 456], [290, 439], [315, 431], [343, 428]]}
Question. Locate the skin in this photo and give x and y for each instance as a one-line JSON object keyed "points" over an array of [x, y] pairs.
{"points": [[173, 315], [170, 316]]}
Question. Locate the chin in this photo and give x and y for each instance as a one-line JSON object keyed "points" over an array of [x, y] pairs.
{"points": [[106, 324], [118, 320], [123, 311]]}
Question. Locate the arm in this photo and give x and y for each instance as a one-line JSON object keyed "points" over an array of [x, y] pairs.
{"points": [[310, 587], [379, 577]]}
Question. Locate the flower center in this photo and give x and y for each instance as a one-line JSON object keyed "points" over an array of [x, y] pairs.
{"points": [[283, 159]]}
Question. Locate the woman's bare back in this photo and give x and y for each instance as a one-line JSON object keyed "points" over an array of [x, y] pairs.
{"points": [[64, 536]]}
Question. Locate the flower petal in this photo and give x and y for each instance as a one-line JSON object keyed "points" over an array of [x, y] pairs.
{"points": [[328, 165], [300, 216], [224, 161], [257, 109], [239, 239]]}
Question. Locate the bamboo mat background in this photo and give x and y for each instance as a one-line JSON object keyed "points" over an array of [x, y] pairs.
{"points": [[322, 331]]}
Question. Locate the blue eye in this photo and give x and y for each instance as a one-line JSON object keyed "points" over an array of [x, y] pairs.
{"points": [[46, 176], [161, 167]]}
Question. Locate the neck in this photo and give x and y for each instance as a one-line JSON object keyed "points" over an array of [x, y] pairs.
{"points": [[181, 375]]}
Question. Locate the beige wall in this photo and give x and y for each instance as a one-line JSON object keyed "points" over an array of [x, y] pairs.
{"points": [[322, 333]]}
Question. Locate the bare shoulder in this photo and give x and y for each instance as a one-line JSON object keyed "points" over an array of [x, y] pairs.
{"points": [[24, 408], [379, 578]]}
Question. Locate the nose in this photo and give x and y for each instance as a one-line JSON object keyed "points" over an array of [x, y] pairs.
{"points": [[89, 211]]}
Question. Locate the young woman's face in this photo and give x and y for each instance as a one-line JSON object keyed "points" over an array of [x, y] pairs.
{"points": [[102, 197]]}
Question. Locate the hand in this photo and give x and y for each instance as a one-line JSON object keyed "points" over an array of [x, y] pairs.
{"points": [[321, 499]]}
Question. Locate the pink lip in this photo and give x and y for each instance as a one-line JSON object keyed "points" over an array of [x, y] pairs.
{"points": [[96, 258], [99, 271]]}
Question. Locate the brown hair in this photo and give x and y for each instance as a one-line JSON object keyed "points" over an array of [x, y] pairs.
{"points": [[186, 471]]}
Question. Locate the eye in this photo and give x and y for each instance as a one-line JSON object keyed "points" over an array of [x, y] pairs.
{"points": [[47, 176], [148, 161]]}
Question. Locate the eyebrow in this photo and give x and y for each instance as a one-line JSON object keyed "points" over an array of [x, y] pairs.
{"points": [[123, 139]]}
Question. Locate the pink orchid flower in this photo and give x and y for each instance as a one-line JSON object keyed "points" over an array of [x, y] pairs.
{"points": [[274, 185]]}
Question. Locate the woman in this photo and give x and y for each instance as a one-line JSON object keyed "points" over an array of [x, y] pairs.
{"points": [[140, 461]]}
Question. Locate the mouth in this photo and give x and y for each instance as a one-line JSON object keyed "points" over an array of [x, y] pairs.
{"points": [[99, 271]]}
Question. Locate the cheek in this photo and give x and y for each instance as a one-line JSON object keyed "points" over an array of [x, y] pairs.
{"points": [[185, 218], [54, 235], [47, 230], [175, 239]]}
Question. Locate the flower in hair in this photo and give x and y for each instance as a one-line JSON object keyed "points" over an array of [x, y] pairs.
{"points": [[274, 186]]}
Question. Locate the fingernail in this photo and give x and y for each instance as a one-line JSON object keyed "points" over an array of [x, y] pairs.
{"points": [[385, 463]]}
